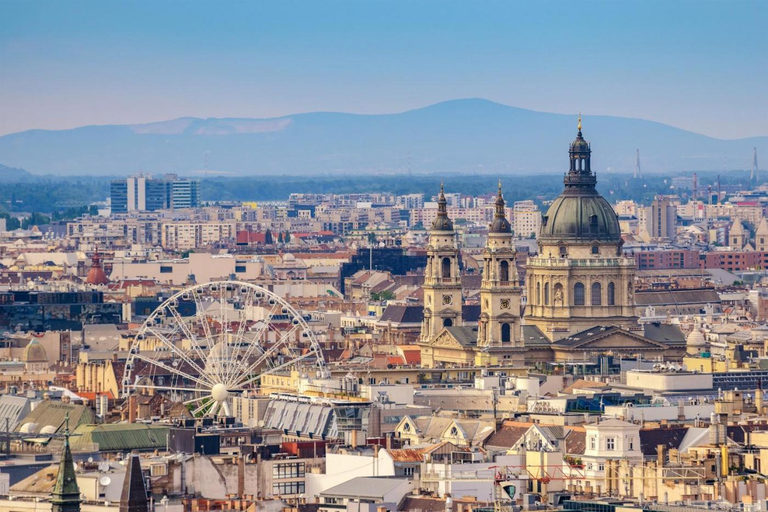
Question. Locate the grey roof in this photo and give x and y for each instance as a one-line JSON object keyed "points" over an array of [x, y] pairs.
{"points": [[664, 333], [676, 297], [365, 487], [13, 409], [397, 313], [465, 335], [533, 337]]}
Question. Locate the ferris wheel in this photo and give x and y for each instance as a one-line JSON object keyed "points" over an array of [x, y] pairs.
{"points": [[213, 340]]}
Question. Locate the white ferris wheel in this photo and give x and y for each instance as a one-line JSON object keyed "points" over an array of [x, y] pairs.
{"points": [[214, 340]]}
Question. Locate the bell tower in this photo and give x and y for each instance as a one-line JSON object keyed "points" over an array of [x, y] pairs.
{"points": [[442, 278], [499, 290]]}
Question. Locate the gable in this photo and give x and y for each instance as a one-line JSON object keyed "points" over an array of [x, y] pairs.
{"points": [[445, 339]]}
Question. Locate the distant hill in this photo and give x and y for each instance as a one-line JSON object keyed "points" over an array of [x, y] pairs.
{"points": [[469, 135], [14, 175]]}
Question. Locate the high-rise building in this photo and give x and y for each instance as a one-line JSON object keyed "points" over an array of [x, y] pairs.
{"points": [[146, 194], [663, 218], [526, 219]]}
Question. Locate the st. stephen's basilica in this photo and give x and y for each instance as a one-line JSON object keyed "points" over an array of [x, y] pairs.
{"points": [[579, 287]]}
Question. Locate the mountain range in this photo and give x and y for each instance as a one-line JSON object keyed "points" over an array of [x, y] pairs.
{"points": [[459, 136]]}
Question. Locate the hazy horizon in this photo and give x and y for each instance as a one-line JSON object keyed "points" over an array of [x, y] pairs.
{"points": [[698, 66]]}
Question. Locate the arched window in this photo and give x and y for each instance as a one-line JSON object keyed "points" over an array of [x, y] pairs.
{"points": [[446, 270], [611, 294], [506, 333], [546, 294], [447, 322], [597, 294], [563, 251], [504, 271], [578, 294], [538, 294]]}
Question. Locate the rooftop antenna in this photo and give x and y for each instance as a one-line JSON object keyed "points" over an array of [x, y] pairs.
{"points": [[638, 172]]}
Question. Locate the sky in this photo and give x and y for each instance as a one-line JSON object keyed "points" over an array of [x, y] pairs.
{"points": [[699, 65]]}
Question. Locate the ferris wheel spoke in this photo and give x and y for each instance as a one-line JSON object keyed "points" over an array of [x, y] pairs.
{"points": [[198, 399], [159, 364], [233, 368], [275, 369], [168, 388], [182, 324], [201, 408], [278, 344], [176, 350], [263, 326], [203, 314]]}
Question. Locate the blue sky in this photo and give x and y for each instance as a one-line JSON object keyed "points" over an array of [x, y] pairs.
{"points": [[698, 65]]}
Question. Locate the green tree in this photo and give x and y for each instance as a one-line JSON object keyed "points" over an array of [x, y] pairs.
{"points": [[382, 296], [287, 237], [268, 238]]}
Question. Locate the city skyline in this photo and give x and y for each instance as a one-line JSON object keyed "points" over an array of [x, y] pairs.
{"points": [[697, 66]]}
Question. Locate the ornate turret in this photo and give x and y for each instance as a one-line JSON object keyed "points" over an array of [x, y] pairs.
{"points": [[65, 496], [442, 222], [96, 273], [500, 223], [499, 323]]}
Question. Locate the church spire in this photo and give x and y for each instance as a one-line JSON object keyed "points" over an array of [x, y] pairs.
{"points": [[500, 223], [65, 496], [134, 495], [442, 222]]}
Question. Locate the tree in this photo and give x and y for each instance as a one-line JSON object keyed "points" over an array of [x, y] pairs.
{"points": [[279, 238], [268, 238], [287, 237], [382, 296]]}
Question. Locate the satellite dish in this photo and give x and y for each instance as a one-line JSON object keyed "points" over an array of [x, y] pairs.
{"points": [[105, 481], [90, 459]]}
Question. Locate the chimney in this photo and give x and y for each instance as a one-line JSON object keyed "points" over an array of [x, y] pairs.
{"points": [[132, 409], [661, 454]]}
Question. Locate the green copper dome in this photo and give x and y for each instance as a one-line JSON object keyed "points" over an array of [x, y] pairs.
{"points": [[580, 213], [581, 218]]}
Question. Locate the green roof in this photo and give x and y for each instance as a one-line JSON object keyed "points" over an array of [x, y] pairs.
{"points": [[112, 437]]}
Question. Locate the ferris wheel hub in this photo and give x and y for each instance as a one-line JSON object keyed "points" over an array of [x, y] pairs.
{"points": [[219, 392]]}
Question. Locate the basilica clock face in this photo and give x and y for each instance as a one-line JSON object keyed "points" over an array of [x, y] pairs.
{"points": [[447, 300], [504, 303]]}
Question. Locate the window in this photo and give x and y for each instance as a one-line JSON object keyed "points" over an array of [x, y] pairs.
{"points": [[506, 333], [610, 444], [592, 443], [286, 488], [546, 294], [601, 467], [563, 251], [593, 223], [446, 270], [288, 470], [164, 269], [504, 271], [538, 293], [631, 443], [447, 322], [240, 269], [597, 294], [408, 471], [578, 294], [611, 294], [595, 249]]}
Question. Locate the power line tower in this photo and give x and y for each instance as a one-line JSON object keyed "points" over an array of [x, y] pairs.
{"points": [[638, 172]]}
